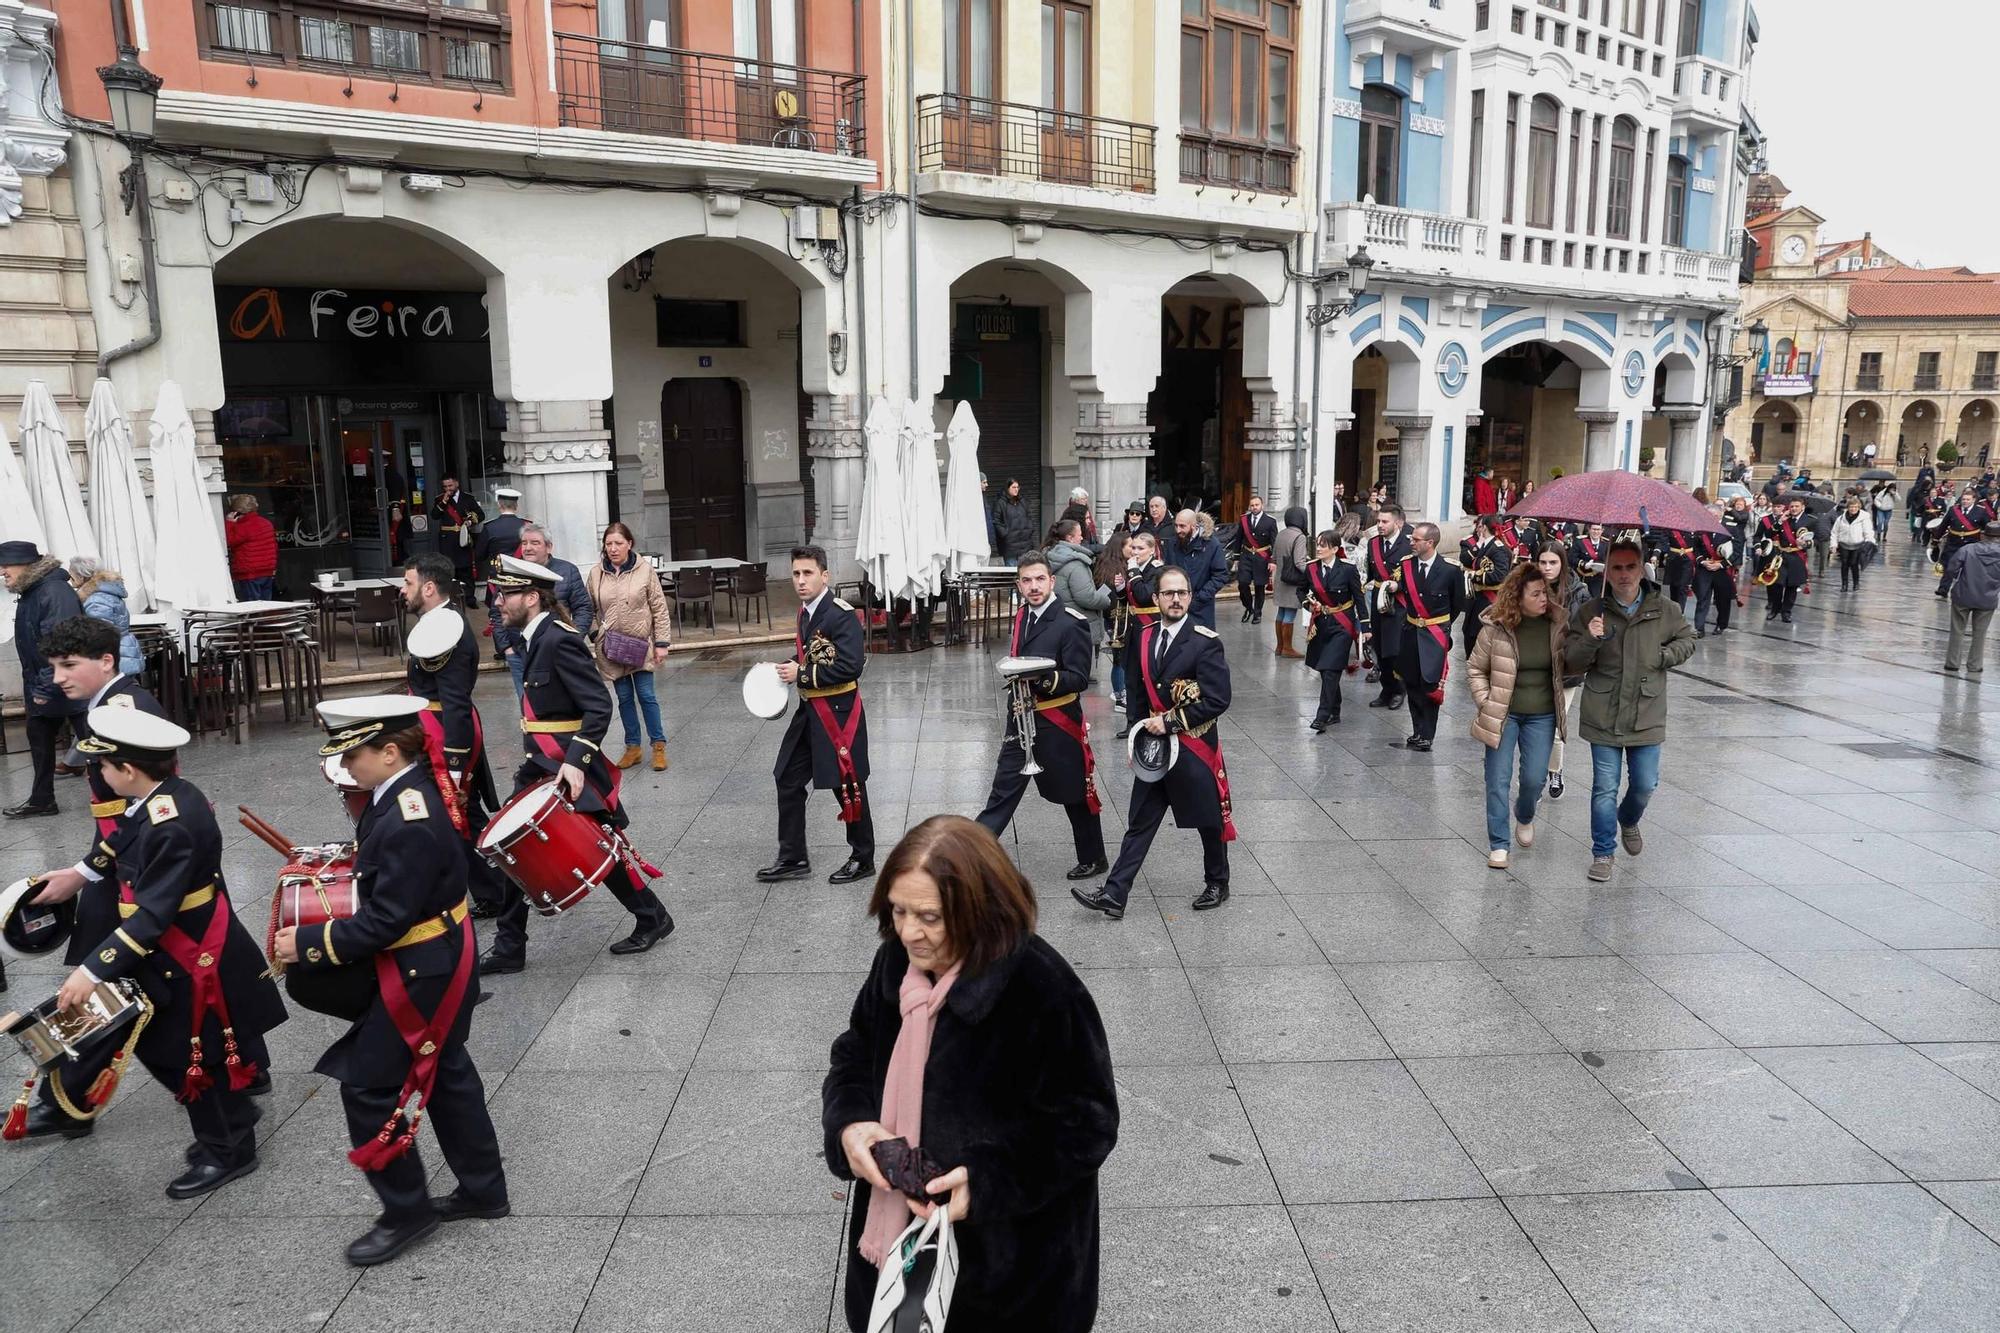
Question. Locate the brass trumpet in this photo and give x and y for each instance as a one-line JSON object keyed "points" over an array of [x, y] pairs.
{"points": [[1018, 676], [1768, 573], [1121, 622]]}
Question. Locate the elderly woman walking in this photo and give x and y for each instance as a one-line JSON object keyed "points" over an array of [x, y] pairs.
{"points": [[630, 633], [102, 592]]}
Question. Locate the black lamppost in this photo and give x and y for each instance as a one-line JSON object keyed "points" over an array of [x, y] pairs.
{"points": [[134, 94], [1347, 283]]}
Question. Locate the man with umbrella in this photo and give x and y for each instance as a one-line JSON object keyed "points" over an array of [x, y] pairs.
{"points": [[1783, 539]]}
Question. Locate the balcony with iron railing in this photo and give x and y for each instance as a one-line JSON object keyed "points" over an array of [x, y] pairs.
{"points": [[1867, 383], [409, 41], [1986, 383], [982, 137], [1237, 164], [633, 88], [1927, 381]]}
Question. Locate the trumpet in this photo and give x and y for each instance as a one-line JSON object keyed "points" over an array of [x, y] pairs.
{"points": [[1018, 675], [1775, 565], [1314, 610], [1121, 622]]}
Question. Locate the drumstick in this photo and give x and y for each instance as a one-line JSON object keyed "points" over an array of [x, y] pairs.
{"points": [[266, 825], [271, 838]]}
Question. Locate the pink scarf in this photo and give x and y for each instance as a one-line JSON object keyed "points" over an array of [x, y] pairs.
{"points": [[903, 1100]]}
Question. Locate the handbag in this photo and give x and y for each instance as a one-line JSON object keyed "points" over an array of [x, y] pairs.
{"points": [[626, 650], [913, 1292]]}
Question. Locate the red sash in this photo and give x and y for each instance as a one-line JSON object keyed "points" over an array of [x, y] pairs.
{"points": [[1325, 599], [849, 789], [1957, 517], [426, 1038], [1708, 550], [1210, 755], [1132, 600], [1077, 730], [1791, 538], [106, 824], [202, 962], [1436, 631], [1509, 538], [454, 792], [1249, 542], [1375, 551], [551, 750], [1589, 548]]}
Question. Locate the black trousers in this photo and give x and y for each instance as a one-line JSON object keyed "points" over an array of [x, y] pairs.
{"points": [[457, 1113], [1423, 713], [1010, 784], [1780, 598], [42, 734], [793, 784], [1853, 559], [1149, 807], [1329, 695], [510, 938], [1713, 588], [1249, 590], [224, 1122]]}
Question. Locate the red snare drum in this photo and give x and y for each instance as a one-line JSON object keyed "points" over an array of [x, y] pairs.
{"points": [[352, 795], [556, 854], [315, 887]]}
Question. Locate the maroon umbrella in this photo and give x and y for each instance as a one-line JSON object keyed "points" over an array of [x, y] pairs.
{"points": [[1617, 500]]}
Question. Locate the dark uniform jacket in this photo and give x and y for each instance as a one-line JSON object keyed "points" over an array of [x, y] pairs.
{"points": [[1329, 645], [1793, 541], [409, 869], [559, 683], [449, 681], [829, 656], [1062, 634], [1145, 610], [1382, 562], [1442, 594], [1250, 565], [447, 517], [97, 904], [498, 536], [169, 849], [1192, 682], [1486, 567]]}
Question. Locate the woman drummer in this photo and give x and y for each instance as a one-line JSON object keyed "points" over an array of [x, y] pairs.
{"points": [[412, 945], [180, 941]]}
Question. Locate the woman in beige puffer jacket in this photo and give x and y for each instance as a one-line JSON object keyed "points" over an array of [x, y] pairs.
{"points": [[625, 596], [1515, 674]]}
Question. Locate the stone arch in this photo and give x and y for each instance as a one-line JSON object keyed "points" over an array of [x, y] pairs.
{"points": [[934, 315], [1861, 425], [1677, 374], [812, 283], [1975, 429], [1261, 343], [1920, 428], [242, 260]]}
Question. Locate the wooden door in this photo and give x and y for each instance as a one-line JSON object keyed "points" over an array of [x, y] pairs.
{"points": [[1065, 134], [701, 434]]}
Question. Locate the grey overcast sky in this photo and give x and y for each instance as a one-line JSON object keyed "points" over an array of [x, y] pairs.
{"points": [[1880, 118]]}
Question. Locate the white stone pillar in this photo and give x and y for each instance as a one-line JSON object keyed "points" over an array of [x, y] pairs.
{"points": [[558, 453], [1113, 442], [1600, 445], [1524, 115], [1272, 439], [837, 455], [1684, 451], [1413, 440]]}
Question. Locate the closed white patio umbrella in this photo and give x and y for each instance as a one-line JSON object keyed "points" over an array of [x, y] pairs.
{"points": [[967, 541], [18, 521], [196, 570], [923, 504], [119, 515], [879, 542], [52, 484]]}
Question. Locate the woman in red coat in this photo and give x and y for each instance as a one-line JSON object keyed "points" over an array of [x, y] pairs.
{"points": [[253, 551]]}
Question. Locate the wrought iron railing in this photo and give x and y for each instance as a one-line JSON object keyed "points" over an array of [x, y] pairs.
{"points": [[603, 84], [1262, 168], [406, 40], [1866, 383], [988, 138], [1928, 381]]}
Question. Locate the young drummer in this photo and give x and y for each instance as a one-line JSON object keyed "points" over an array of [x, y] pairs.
{"points": [[412, 943], [179, 939]]}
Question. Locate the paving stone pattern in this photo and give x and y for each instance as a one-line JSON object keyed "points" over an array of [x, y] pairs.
{"points": [[1752, 1082]]}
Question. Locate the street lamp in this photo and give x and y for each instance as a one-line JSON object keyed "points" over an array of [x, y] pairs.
{"points": [[134, 92], [1347, 283]]}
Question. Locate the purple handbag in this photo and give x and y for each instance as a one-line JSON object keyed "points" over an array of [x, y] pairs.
{"points": [[626, 650]]}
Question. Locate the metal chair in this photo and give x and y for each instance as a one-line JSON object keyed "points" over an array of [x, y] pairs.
{"points": [[749, 585], [377, 608], [695, 587]]}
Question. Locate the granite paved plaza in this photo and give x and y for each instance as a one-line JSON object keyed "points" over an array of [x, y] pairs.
{"points": [[1751, 1083]]}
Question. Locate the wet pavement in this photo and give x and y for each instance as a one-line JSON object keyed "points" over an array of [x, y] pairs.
{"points": [[1751, 1082]]}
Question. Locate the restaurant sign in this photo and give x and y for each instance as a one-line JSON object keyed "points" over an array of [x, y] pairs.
{"points": [[335, 314]]}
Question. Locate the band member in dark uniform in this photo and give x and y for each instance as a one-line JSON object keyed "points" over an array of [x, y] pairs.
{"points": [[499, 535], [1785, 537], [1520, 545], [563, 696], [1141, 610], [1714, 578], [179, 938], [1044, 627], [1586, 557], [1430, 593], [1256, 531], [1673, 551], [1381, 566], [83, 654], [826, 742], [444, 668], [454, 518], [1338, 621], [1185, 682], [1962, 521], [1487, 560], [403, 967]]}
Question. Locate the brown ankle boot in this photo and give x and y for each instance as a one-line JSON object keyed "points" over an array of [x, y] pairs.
{"points": [[630, 757], [1285, 640], [659, 756]]}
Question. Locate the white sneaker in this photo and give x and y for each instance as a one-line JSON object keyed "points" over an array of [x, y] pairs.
{"points": [[1525, 835], [1497, 859]]}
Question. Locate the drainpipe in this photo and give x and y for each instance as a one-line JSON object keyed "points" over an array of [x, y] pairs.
{"points": [[910, 160], [142, 195]]}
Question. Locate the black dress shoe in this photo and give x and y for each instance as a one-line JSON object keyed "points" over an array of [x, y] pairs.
{"points": [[643, 938], [26, 810], [1211, 896], [455, 1206], [1124, 729], [1420, 745], [1770, 616], [383, 1243], [44, 1119], [260, 1086], [205, 1176], [1256, 617], [1088, 869], [1701, 634], [1246, 616], [1384, 701], [1318, 724], [494, 963], [1787, 617], [485, 911], [855, 867], [783, 870], [1096, 901], [1410, 742]]}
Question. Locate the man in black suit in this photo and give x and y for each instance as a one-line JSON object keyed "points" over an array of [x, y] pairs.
{"points": [[1256, 532], [455, 518], [1044, 627], [498, 536], [563, 696], [1486, 561], [826, 742], [1430, 594], [1381, 566], [1185, 682]]}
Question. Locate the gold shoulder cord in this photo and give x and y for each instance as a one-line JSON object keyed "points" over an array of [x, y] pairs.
{"points": [[116, 1071]]}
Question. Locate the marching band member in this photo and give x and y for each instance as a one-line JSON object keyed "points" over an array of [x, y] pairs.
{"points": [[180, 940], [1586, 557], [1784, 537], [1045, 627], [443, 668], [1256, 532], [1962, 523], [562, 695], [1142, 610], [1184, 680], [1430, 593], [1714, 577], [1381, 564], [826, 742], [455, 518], [1486, 562], [1339, 621], [404, 1058]]}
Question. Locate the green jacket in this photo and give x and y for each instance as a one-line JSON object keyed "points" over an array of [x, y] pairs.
{"points": [[1625, 676]]}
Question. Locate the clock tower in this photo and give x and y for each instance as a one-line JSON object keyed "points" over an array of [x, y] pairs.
{"points": [[1791, 243]]}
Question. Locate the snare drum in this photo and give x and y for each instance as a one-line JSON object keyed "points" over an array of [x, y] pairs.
{"points": [[317, 886], [554, 853], [352, 794], [50, 1035]]}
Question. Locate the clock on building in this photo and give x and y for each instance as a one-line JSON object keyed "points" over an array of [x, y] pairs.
{"points": [[1794, 250]]}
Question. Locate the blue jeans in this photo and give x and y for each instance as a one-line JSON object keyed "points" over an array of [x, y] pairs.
{"points": [[255, 590], [1118, 672], [1287, 614], [517, 667], [1534, 737], [1607, 813], [635, 692]]}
